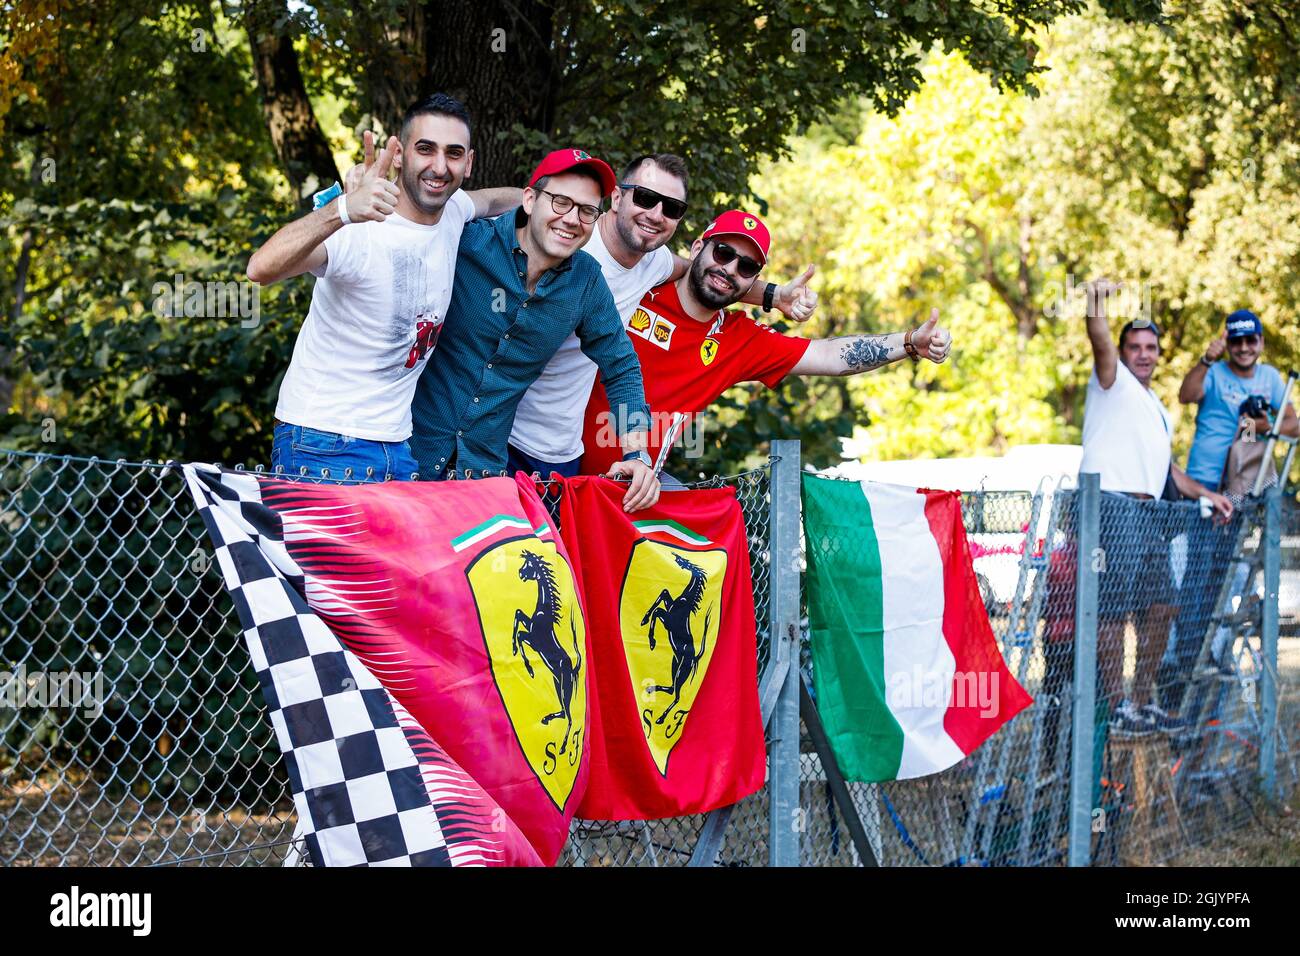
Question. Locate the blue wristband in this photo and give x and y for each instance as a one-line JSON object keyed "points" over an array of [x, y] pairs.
{"points": [[326, 196]]}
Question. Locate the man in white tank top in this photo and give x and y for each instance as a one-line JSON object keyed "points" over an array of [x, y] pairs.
{"points": [[1126, 440]]}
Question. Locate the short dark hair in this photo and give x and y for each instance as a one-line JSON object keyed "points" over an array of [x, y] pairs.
{"points": [[670, 163], [1138, 324], [439, 104]]}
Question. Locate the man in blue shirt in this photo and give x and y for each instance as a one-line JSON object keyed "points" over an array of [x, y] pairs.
{"points": [[522, 287], [1221, 387]]}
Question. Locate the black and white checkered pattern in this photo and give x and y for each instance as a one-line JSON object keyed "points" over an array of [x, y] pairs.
{"points": [[363, 796]]}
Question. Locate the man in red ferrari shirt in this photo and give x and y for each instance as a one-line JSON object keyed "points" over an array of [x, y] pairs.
{"points": [[692, 349]]}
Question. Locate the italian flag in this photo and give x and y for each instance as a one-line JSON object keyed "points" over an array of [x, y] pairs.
{"points": [[908, 675]]}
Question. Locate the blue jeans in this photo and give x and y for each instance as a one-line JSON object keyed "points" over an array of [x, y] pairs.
{"points": [[296, 447], [517, 461]]}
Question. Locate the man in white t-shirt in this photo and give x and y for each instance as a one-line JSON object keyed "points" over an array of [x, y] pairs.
{"points": [[1126, 440], [629, 242], [384, 256]]}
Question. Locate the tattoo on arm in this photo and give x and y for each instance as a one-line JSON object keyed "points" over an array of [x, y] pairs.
{"points": [[864, 352]]}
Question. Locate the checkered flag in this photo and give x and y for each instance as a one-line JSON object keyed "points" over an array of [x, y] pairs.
{"points": [[370, 785]]}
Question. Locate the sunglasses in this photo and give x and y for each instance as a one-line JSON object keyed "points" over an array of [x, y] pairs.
{"points": [[647, 198], [745, 266], [1250, 340]]}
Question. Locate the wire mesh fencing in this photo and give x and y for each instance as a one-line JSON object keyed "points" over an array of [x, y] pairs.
{"points": [[1177, 719], [141, 735], [138, 735]]}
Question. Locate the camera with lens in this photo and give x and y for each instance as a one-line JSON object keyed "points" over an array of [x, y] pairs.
{"points": [[1254, 407]]}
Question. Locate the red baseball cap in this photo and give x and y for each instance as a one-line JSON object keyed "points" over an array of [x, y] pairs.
{"points": [[737, 222], [563, 160]]}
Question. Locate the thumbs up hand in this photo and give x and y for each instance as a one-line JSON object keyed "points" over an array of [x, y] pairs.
{"points": [[796, 301], [931, 340], [1216, 348], [368, 193]]}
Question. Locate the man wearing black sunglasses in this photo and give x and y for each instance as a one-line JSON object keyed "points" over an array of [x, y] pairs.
{"points": [[692, 349], [630, 244]]}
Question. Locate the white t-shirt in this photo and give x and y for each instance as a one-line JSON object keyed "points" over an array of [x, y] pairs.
{"points": [[1126, 435], [548, 421], [375, 314]]}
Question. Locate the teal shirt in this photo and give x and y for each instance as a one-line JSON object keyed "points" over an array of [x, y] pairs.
{"points": [[496, 340]]}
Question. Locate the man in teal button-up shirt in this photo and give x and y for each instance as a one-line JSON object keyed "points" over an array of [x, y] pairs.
{"points": [[522, 287]]}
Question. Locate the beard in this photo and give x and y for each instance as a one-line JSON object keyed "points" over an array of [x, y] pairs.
{"points": [[704, 292], [634, 239], [426, 204]]}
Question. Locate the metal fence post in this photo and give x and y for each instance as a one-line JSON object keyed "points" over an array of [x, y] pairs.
{"points": [[783, 626], [1088, 525], [1268, 715]]}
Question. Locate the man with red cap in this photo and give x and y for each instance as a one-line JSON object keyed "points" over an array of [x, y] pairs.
{"points": [[692, 349], [522, 286]]}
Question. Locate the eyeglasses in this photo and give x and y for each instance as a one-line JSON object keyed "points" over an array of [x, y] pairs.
{"points": [[647, 198], [747, 267], [562, 204]]}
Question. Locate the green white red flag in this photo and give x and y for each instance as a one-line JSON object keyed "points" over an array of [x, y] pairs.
{"points": [[908, 675]]}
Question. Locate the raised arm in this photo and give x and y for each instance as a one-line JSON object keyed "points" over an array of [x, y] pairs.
{"points": [[300, 246], [851, 354], [495, 201], [1193, 388], [1105, 358]]}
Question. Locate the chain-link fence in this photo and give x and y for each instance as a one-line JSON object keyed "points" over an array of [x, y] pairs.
{"points": [[110, 603], [1178, 715], [141, 736]]}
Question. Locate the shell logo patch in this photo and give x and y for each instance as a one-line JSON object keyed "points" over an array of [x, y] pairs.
{"points": [[662, 333], [640, 321], [751, 223], [709, 350]]}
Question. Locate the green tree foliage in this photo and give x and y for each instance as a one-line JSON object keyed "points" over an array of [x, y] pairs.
{"points": [[1164, 156], [139, 145]]}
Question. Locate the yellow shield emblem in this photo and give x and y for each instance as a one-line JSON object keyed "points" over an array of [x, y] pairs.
{"points": [[669, 612], [708, 349], [640, 320], [534, 632]]}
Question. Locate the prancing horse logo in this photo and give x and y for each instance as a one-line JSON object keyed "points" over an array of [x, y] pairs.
{"points": [[674, 613], [534, 635], [670, 611], [538, 632]]}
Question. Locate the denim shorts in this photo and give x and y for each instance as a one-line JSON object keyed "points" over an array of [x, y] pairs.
{"points": [[329, 455], [1136, 572]]}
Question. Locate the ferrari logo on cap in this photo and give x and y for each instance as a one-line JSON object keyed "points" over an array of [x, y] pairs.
{"points": [[708, 351], [751, 222], [580, 154]]}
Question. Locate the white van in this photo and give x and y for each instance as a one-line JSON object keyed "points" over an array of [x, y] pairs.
{"points": [[996, 531]]}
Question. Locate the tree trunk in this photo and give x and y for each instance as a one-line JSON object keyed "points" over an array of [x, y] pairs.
{"points": [[303, 149], [493, 56]]}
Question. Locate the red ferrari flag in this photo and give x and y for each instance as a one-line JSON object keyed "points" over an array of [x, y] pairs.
{"points": [[675, 725], [458, 598]]}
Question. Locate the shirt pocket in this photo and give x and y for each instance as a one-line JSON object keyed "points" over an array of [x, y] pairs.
{"points": [[318, 442]]}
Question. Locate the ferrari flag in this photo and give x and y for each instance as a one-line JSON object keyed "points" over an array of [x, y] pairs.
{"points": [[675, 725], [449, 609], [908, 674]]}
